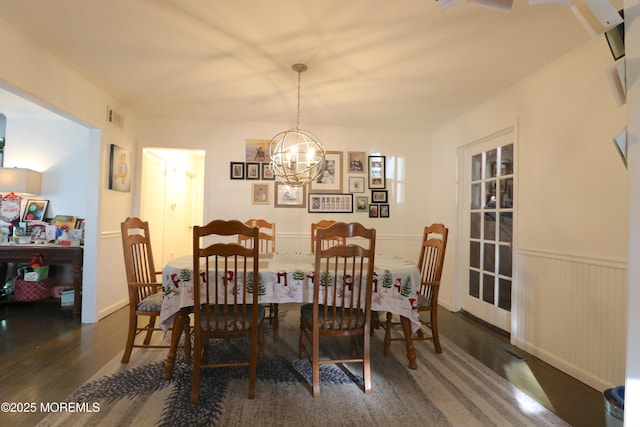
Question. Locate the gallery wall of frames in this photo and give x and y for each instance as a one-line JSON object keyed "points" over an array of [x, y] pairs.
{"points": [[360, 187]]}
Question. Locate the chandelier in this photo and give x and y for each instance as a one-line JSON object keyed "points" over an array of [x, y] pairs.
{"points": [[297, 156]]}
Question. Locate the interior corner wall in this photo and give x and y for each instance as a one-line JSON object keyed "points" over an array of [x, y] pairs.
{"points": [[570, 226], [39, 77], [408, 177]]}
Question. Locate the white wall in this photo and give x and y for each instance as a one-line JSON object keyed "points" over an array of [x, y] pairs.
{"points": [[570, 243], [408, 176], [59, 149]]}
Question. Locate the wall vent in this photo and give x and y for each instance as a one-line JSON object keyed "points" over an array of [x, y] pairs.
{"points": [[115, 118]]}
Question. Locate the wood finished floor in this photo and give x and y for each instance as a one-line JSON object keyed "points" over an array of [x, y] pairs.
{"points": [[45, 355]]}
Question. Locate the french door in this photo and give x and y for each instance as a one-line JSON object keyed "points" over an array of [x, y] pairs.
{"points": [[488, 218]]}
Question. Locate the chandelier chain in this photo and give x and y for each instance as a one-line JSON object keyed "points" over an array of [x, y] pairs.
{"points": [[298, 114]]}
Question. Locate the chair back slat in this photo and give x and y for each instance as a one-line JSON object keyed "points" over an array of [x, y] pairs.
{"points": [[344, 274], [228, 276], [266, 237], [327, 241], [138, 257], [431, 260]]}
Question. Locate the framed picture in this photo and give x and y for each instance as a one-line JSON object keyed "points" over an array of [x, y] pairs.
{"points": [[334, 203], [374, 211], [252, 170], [237, 170], [356, 184], [257, 150], [379, 196], [266, 172], [260, 194], [288, 196], [384, 211], [356, 161], [119, 169], [377, 172], [330, 180], [35, 210], [362, 204]]}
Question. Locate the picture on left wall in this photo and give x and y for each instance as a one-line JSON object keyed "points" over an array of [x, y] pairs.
{"points": [[120, 169]]}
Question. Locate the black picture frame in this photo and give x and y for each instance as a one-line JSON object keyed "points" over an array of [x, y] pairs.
{"points": [[374, 210], [252, 170], [266, 174], [379, 196], [35, 210], [384, 210], [330, 203], [236, 170], [377, 172]]}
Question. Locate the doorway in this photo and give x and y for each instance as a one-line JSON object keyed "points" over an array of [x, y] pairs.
{"points": [[172, 192], [487, 221]]}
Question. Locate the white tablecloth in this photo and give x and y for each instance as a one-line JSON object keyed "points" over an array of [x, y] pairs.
{"points": [[286, 279]]}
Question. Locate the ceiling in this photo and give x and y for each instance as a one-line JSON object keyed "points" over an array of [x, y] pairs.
{"points": [[372, 63]]}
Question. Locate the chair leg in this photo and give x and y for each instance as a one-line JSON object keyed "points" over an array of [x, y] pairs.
{"points": [[131, 336], [257, 334], [387, 335], [301, 351], [150, 326], [366, 369], [187, 336], [195, 374], [261, 341], [434, 330], [274, 320], [315, 362]]}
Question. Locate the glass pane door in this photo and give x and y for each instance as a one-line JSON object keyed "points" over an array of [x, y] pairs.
{"points": [[489, 230]]}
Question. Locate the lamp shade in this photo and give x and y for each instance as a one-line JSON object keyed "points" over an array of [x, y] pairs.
{"points": [[20, 181]]}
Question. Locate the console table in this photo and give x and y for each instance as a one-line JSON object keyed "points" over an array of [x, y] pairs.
{"points": [[52, 254]]}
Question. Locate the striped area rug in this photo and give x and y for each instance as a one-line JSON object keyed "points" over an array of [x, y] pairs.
{"points": [[448, 389]]}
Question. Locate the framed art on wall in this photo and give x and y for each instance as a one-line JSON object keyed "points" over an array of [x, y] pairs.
{"points": [[257, 150], [330, 180], [384, 211], [356, 161], [35, 210], [260, 194], [252, 170], [119, 169], [266, 173], [379, 196], [362, 204], [373, 211], [356, 184], [334, 203], [377, 172], [237, 170], [288, 196]]}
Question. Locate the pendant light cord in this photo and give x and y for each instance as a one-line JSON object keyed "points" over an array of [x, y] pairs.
{"points": [[298, 115]]}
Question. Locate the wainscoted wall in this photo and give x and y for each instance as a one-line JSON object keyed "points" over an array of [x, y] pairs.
{"points": [[571, 311], [391, 245], [111, 265]]}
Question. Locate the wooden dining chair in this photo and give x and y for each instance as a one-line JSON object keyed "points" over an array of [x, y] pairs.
{"points": [[267, 237], [329, 240], [267, 244], [225, 297], [342, 287], [145, 291], [432, 251]]}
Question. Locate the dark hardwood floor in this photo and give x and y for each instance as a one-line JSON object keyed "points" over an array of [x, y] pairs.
{"points": [[45, 355]]}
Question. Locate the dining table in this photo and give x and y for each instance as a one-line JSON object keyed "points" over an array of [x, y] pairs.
{"points": [[288, 278]]}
